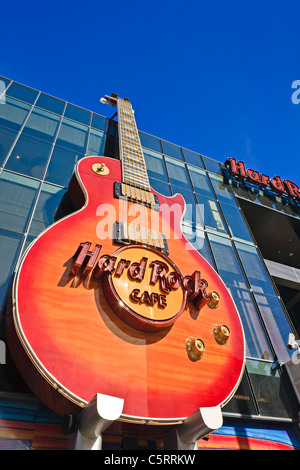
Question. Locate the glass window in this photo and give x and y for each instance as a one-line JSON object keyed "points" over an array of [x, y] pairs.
{"points": [[99, 122], [268, 387], [42, 125], [155, 165], [22, 92], [50, 103], [256, 342], [255, 271], [17, 195], [160, 187], [211, 214], [10, 244], [171, 150], [197, 239], [192, 158], [222, 190], [178, 175], [212, 165], [200, 182], [96, 143], [276, 323], [77, 114], [13, 114], [150, 142], [235, 221], [29, 156], [242, 401], [6, 82], [191, 214], [61, 166], [72, 136], [49, 199], [7, 138], [227, 262]]}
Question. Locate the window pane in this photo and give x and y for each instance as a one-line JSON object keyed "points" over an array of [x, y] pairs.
{"points": [[242, 401], [171, 150], [22, 92], [72, 136], [7, 138], [99, 122], [276, 324], [268, 386], [200, 182], [48, 202], [197, 239], [6, 81], [212, 165], [150, 142], [17, 195], [256, 342], [236, 224], [10, 244], [77, 114], [211, 214], [192, 158], [223, 191], [255, 271], [227, 263], [61, 166], [160, 187], [155, 165], [13, 113], [192, 213], [96, 143], [177, 174], [42, 125], [50, 103], [29, 156]]}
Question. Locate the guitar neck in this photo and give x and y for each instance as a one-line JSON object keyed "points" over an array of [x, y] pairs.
{"points": [[134, 171]]}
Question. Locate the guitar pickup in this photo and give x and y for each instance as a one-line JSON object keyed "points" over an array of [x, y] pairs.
{"points": [[134, 194], [125, 234]]}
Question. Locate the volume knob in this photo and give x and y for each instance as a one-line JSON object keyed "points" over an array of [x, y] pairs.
{"points": [[214, 299], [195, 348], [221, 333]]}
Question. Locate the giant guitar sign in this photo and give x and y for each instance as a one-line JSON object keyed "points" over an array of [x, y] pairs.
{"points": [[112, 299]]}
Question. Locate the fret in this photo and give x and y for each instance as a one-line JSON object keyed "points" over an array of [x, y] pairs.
{"points": [[134, 170]]}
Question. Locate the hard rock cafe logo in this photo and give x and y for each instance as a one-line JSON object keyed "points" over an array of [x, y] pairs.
{"points": [[142, 285]]}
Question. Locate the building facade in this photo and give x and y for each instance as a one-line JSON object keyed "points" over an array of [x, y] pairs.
{"points": [[248, 233]]}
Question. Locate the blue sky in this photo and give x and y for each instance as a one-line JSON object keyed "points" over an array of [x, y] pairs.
{"points": [[212, 76]]}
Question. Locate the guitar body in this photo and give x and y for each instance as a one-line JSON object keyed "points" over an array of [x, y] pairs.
{"points": [[70, 339]]}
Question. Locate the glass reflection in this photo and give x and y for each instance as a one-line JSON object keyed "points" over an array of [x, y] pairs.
{"points": [[256, 342], [29, 156], [13, 114], [61, 166], [17, 196], [7, 138], [227, 262]]}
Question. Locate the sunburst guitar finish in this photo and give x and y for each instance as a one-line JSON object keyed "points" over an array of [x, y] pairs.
{"points": [[101, 306]]}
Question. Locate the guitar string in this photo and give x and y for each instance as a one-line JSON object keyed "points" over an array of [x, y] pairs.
{"points": [[139, 181]]}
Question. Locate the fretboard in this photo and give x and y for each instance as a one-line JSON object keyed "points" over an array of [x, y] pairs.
{"points": [[134, 171]]}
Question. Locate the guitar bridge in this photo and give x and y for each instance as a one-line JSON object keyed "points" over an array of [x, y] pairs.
{"points": [[125, 234], [134, 194]]}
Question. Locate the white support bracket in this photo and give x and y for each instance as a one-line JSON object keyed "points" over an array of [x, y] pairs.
{"points": [[92, 421], [199, 424]]}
